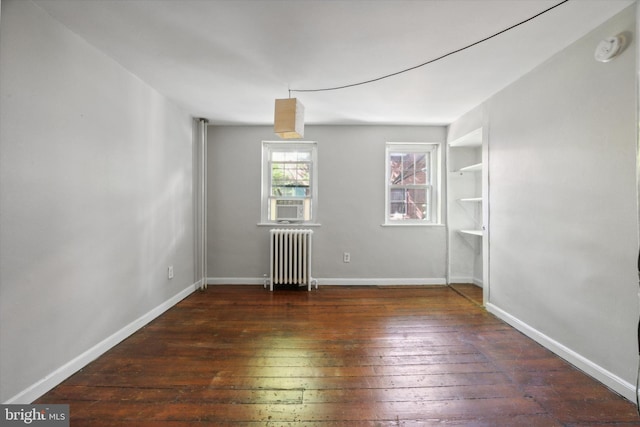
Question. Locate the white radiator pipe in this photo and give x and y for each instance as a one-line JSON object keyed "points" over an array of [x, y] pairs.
{"points": [[202, 226]]}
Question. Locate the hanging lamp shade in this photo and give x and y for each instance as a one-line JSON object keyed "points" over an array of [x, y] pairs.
{"points": [[289, 118]]}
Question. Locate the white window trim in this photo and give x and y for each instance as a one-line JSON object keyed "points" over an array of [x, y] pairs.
{"points": [[267, 148], [436, 171]]}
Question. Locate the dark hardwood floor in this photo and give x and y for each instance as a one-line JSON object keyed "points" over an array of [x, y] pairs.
{"points": [[471, 292], [337, 356]]}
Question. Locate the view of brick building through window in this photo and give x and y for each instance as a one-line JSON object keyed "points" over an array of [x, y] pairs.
{"points": [[409, 186]]}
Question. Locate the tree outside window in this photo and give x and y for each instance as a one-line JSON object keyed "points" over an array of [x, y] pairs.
{"points": [[289, 188]]}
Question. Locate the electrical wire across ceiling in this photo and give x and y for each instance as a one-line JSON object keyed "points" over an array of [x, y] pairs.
{"points": [[431, 60]]}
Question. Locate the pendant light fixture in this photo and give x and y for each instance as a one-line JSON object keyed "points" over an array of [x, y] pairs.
{"points": [[289, 113], [288, 121]]}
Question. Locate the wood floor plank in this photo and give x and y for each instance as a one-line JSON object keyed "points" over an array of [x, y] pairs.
{"points": [[337, 356]]}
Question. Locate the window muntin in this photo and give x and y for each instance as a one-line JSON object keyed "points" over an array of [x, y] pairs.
{"points": [[288, 175], [290, 178], [411, 183]]}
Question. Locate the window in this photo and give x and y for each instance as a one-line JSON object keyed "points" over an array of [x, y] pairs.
{"points": [[412, 191], [289, 190]]}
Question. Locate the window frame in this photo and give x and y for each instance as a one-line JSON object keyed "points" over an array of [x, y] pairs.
{"points": [[268, 148], [434, 195]]}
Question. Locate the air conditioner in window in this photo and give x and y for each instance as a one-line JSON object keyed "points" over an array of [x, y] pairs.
{"points": [[289, 210]]}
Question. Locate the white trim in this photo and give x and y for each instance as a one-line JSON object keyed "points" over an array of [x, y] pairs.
{"points": [[335, 281], [599, 373], [42, 386], [466, 279], [288, 225], [236, 280], [411, 224], [461, 280], [331, 281]]}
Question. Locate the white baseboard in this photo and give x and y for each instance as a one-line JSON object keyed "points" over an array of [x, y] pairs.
{"points": [[465, 279], [331, 281], [235, 280], [335, 281], [460, 279], [36, 390], [609, 379]]}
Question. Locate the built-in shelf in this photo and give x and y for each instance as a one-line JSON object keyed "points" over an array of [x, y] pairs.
{"points": [[467, 203], [472, 139], [471, 168], [472, 232]]}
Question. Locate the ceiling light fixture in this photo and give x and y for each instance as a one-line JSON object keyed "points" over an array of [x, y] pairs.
{"points": [[288, 122], [289, 113]]}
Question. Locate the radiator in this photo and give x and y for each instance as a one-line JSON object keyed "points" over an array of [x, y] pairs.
{"points": [[290, 259]]}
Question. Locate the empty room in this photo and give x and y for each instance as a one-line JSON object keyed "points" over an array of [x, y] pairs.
{"points": [[319, 213]]}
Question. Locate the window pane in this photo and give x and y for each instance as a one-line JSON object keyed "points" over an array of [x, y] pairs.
{"points": [[397, 206], [421, 162], [291, 156], [395, 168], [417, 203], [290, 179], [409, 203], [409, 168]]}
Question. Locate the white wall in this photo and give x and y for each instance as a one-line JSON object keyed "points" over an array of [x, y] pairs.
{"points": [[563, 217], [95, 202], [351, 162]]}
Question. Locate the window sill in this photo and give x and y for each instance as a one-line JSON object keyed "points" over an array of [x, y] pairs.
{"points": [[288, 225], [410, 224]]}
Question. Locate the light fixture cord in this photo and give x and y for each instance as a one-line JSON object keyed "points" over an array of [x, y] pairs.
{"points": [[430, 61]]}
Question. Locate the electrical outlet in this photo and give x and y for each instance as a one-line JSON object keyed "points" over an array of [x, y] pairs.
{"points": [[170, 272], [346, 257]]}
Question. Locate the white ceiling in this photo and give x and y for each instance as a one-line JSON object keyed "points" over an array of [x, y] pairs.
{"points": [[227, 60]]}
